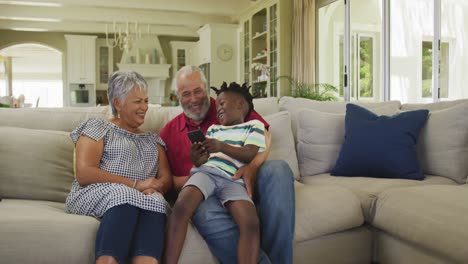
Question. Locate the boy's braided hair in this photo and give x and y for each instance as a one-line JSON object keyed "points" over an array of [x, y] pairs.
{"points": [[237, 88]]}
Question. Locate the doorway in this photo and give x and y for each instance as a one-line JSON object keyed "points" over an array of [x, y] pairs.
{"points": [[36, 73]]}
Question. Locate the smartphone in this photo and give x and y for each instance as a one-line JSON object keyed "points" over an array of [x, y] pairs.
{"points": [[196, 136]]}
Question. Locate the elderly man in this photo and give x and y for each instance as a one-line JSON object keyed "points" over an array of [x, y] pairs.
{"points": [[270, 183]]}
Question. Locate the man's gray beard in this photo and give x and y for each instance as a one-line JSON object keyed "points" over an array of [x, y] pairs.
{"points": [[202, 115]]}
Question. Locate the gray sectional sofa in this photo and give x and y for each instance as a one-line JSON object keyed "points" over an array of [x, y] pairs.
{"points": [[338, 219]]}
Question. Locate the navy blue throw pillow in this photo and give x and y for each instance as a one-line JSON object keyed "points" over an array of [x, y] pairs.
{"points": [[380, 146]]}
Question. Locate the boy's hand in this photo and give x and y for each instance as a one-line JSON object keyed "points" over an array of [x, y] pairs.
{"points": [[198, 154], [212, 145]]}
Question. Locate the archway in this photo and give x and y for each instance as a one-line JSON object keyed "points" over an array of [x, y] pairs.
{"points": [[36, 73]]}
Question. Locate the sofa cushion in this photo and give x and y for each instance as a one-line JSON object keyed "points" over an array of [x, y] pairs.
{"points": [[62, 119], [156, 117], [338, 107], [36, 228], [367, 189], [282, 146], [295, 105], [323, 210], [35, 164], [433, 217], [380, 146], [41, 232], [320, 136], [433, 106], [266, 106], [442, 147]]}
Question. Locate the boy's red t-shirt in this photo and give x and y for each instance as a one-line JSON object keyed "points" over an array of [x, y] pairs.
{"points": [[178, 144]]}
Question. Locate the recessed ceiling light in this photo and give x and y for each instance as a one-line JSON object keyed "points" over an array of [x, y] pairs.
{"points": [[30, 29], [31, 3], [35, 19]]}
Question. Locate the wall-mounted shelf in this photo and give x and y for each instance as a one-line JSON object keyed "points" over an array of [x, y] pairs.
{"points": [[259, 35], [262, 57]]}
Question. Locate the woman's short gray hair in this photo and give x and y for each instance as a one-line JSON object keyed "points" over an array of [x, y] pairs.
{"points": [[121, 83]]}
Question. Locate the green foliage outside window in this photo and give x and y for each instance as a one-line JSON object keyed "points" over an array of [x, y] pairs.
{"points": [[365, 71], [313, 91], [427, 69]]}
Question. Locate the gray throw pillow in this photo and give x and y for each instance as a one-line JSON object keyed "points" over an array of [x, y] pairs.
{"points": [[443, 144], [282, 147], [35, 164]]}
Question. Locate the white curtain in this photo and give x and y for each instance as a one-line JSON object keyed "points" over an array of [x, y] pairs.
{"points": [[303, 42]]}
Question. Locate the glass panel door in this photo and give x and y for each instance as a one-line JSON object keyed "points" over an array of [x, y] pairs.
{"points": [[365, 66], [364, 50], [453, 50], [411, 24], [362, 60], [329, 32], [426, 65]]}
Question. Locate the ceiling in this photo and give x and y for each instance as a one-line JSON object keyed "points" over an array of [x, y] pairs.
{"points": [[164, 17]]}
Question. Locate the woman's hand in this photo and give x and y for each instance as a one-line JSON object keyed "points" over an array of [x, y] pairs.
{"points": [[150, 183], [150, 191]]}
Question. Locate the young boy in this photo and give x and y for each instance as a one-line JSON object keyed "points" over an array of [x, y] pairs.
{"points": [[226, 148]]}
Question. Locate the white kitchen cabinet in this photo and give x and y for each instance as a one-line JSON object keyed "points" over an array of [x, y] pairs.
{"points": [[81, 71], [105, 64], [81, 59], [204, 45], [182, 53]]}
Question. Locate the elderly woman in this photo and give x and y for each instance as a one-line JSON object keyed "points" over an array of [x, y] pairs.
{"points": [[121, 176]]}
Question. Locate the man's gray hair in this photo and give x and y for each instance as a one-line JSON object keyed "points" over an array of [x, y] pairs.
{"points": [[187, 70], [120, 84]]}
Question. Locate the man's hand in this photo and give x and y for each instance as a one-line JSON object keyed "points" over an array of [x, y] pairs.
{"points": [[249, 174], [198, 154], [212, 145]]}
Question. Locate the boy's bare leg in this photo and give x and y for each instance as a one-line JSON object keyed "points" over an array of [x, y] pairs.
{"points": [[245, 215], [186, 204]]}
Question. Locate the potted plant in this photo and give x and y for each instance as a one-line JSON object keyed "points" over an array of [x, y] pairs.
{"points": [[262, 69], [313, 91]]}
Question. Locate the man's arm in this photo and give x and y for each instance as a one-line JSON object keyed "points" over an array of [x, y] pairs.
{"points": [[179, 181], [249, 171]]}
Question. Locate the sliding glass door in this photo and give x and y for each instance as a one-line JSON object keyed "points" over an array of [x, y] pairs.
{"points": [[363, 69], [411, 34], [454, 49], [403, 67], [363, 79], [330, 44]]}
